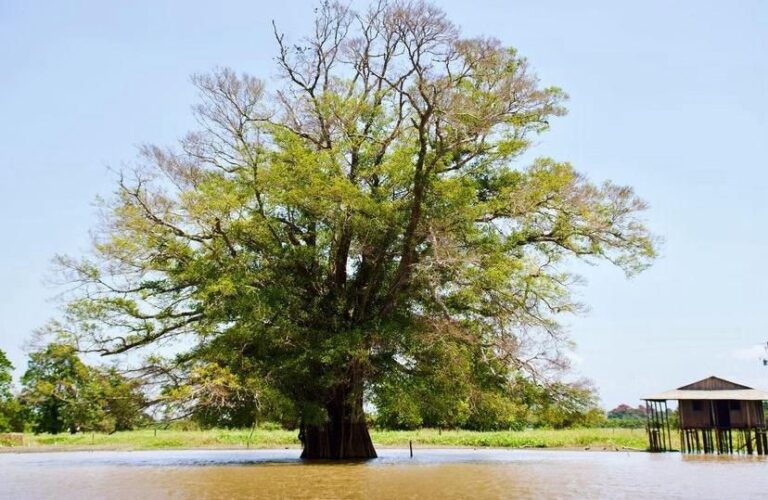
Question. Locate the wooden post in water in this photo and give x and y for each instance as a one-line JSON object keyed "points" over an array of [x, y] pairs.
{"points": [[410, 446], [665, 409]]}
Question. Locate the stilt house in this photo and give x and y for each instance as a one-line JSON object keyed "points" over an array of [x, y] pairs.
{"points": [[715, 416]]}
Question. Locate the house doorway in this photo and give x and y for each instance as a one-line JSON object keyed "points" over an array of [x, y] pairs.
{"points": [[723, 414]]}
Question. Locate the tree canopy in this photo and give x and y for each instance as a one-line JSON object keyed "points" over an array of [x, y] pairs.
{"points": [[364, 223]]}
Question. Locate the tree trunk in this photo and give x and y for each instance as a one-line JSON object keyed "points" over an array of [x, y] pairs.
{"points": [[345, 434]]}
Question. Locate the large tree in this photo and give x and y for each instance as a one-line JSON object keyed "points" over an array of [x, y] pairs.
{"points": [[363, 219]]}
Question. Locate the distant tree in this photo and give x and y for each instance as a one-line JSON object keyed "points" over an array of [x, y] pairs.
{"points": [[366, 214], [11, 418], [57, 390], [624, 411], [562, 405], [6, 376], [496, 410], [121, 398], [62, 393], [626, 416]]}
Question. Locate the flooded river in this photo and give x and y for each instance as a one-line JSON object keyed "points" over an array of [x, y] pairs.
{"points": [[438, 473]]}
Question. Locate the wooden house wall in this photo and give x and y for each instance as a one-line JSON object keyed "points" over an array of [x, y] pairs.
{"points": [[700, 417], [698, 414]]}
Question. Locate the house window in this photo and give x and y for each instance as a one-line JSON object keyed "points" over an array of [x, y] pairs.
{"points": [[736, 405], [697, 406]]}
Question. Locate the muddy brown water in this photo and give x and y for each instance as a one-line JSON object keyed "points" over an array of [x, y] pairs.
{"points": [[438, 473]]}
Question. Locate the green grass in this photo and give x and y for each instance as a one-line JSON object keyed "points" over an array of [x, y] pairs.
{"points": [[148, 439], [533, 438]]}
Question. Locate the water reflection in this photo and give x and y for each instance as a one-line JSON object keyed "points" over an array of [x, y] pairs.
{"points": [[430, 474]]}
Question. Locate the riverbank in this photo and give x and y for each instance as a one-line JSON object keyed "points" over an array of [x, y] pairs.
{"points": [[158, 439]]}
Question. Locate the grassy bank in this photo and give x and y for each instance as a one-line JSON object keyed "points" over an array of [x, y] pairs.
{"points": [[149, 439]]}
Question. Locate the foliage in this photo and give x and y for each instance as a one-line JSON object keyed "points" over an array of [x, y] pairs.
{"points": [[364, 224], [61, 393], [445, 387], [10, 410], [626, 416], [56, 389], [212, 396], [560, 405], [624, 411], [481, 406], [6, 376], [121, 399]]}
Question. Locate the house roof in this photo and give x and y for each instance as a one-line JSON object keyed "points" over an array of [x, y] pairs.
{"points": [[711, 388], [712, 384]]}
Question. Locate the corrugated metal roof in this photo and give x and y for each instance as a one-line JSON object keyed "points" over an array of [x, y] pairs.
{"points": [[741, 394]]}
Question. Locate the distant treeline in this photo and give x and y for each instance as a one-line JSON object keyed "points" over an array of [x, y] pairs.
{"points": [[59, 392]]}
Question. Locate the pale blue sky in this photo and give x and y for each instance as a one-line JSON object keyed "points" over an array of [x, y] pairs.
{"points": [[669, 97]]}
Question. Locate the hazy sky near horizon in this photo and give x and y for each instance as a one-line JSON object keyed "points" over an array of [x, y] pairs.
{"points": [[668, 97]]}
